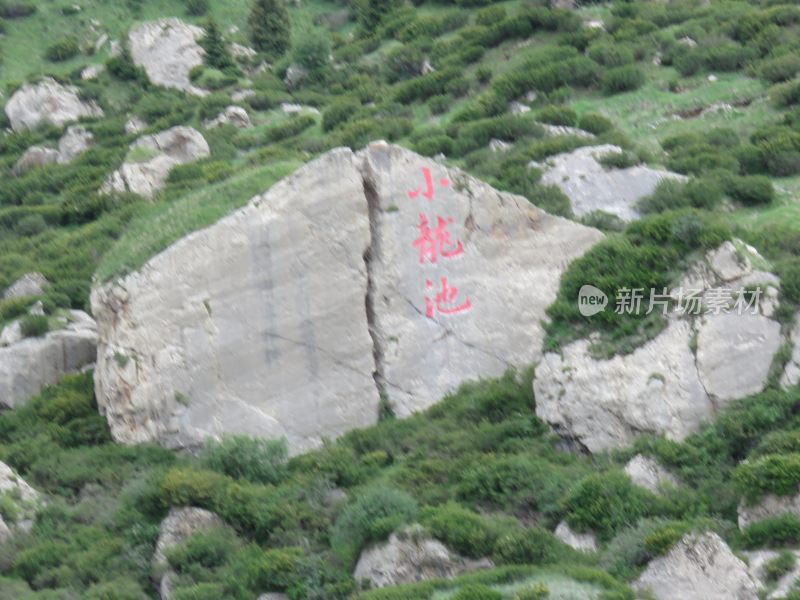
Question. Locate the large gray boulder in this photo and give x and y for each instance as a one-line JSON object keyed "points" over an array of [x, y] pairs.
{"points": [[29, 365], [47, 101], [757, 561], [294, 315], [791, 374], [771, 505], [152, 157], [232, 115], [699, 567], [411, 556], [167, 49], [76, 140], [30, 284], [680, 378], [591, 187], [649, 474], [34, 157], [583, 542]]}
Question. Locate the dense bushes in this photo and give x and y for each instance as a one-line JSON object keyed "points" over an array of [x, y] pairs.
{"points": [[34, 325], [290, 128], [622, 79], [242, 457], [63, 49], [770, 474]]}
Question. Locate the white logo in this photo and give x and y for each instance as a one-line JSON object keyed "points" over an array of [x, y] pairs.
{"points": [[591, 300]]}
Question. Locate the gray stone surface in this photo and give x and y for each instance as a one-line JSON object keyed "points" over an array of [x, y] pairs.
{"points": [[735, 352], [26, 500], [699, 567], [604, 404], [769, 506], [232, 115], [411, 556], [591, 187], [30, 284], [75, 141], [291, 316], [167, 49], [29, 365], [647, 473], [164, 150], [47, 101], [34, 157], [584, 542], [757, 561]]}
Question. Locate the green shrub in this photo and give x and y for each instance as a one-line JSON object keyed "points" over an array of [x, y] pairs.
{"points": [[783, 530], [16, 10], [672, 194], [606, 503], [627, 552], [534, 546], [786, 94], [490, 15], [269, 26], [536, 591], [557, 115], [661, 541], [622, 79], [779, 566], [594, 123], [312, 49], [477, 591], [461, 529], [404, 62], [618, 160], [750, 190], [289, 128], [371, 517], [122, 67], [217, 54], [63, 49], [781, 68], [550, 199], [255, 459], [197, 8], [34, 325], [440, 104], [209, 549], [610, 54], [770, 474]]}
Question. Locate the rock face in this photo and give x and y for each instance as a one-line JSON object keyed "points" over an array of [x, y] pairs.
{"points": [[161, 151], [664, 386], [699, 567], [769, 506], [647, 473], [585, 542], [167, 49], [412, 556], [30, 364], [26, 501], [47, 101], [34, 157], [232, 115], [791, 375], [591, 187], [30, 284], [247, 327]]}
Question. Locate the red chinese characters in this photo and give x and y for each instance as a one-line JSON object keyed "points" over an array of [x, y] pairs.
{"points": [[432, 244]]}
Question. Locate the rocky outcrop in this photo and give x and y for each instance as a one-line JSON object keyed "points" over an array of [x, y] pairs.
{"points": [[757, 561], [294, 315], [152, 157], [647, 473], [232, 115], [30, 284], [47, 101], [584, 542], [666, 386], [791, 374], [411, 556], [591, 187], [75, 141], [699, 567], [769, 506], [167, 49], [178, 526], [28, 365], [25, 499]]}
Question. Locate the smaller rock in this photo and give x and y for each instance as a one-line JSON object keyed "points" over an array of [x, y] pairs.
{"points": [[699, 567], [647, 473], [291, 109], [411, 556], [518, 108], [440, 157], [37, 309], [531, 96], [770, 505], [135, 125], [556, 130], [240, 95], [30, 284], [232, 115], [273, 596], [101, 41], [584, 542], [426, 67], [687, 41], [712, 78], [34, 157], [27, 502], [11, 334], [757, 561], [115, 48], [728, 263], [75, 141], [92, 72], [295, 75], [499, 145], [239, 51], [595, 24]]}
